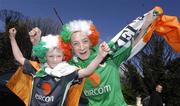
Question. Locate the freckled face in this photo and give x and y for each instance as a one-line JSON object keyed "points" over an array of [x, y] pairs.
{"points": [[81, 45], [54, 57]]}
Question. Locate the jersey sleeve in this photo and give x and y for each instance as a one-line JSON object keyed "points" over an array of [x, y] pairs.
{"points": [[28, 68], [120, 53], [75, 78]]}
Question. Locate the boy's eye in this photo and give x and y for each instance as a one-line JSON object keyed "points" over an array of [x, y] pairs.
{"points": [[75, 43], [85, 41], [59, 56]]}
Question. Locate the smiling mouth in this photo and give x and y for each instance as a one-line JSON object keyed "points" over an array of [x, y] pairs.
{"points": [[82, 53]]}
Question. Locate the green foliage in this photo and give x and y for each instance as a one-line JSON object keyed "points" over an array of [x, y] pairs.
{"points": [[133, 86], [129, 94], [172, 82], [128, 91]]}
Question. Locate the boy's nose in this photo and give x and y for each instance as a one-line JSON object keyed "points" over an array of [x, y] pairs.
{"points": [[55, 58], [81, 46]]}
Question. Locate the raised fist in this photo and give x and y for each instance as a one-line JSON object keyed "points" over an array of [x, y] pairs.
{"points": [[35, 35], [12, 33]]}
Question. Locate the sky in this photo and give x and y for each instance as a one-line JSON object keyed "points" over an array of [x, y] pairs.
{"points": [[109, 16]]}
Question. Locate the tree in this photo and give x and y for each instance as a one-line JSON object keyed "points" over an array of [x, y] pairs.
{"points": [[172, 81], [132, 83], [158, 64]]}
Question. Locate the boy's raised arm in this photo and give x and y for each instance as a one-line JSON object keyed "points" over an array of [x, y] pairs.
{"points": [[103, 51], [15, 48]]}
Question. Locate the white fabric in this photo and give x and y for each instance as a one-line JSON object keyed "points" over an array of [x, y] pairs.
{"points": [[62, 69], [134, 33], [140, 24]]}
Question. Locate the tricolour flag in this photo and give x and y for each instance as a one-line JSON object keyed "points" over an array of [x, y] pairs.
{"points": [[139, 32]]}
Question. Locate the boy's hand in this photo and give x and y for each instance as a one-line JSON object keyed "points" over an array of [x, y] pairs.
{"points": [[103, 49], [35, 35], [12, 33]]}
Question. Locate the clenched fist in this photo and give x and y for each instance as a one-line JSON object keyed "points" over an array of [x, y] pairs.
{"points": [[35, 35], [12, 33]]}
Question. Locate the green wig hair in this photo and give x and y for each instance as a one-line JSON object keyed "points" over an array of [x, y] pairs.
{"points": [[85, 26], [40, 50]]}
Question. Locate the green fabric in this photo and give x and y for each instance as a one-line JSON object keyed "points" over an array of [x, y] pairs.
{"points": [[108, 91], [41, 73], [119, 54]]}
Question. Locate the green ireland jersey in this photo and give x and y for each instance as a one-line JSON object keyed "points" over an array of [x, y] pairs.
{"points": [[103, 87]]}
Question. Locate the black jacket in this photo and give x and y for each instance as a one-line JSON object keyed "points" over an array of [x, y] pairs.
{"points": [[155, 99]]}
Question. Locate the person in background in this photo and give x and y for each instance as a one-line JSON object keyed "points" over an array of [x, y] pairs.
{"points": [[155, 97]]}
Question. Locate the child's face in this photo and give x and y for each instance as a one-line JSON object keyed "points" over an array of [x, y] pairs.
{"points": [[81, 45], [54, 57]]}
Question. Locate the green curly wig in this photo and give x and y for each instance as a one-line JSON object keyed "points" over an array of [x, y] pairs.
{"points": [[65, 33], [85, 26], [40, 50]]}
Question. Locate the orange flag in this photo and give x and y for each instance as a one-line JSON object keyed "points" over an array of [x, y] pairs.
{"points": [[22, 82], [169, 28]]}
